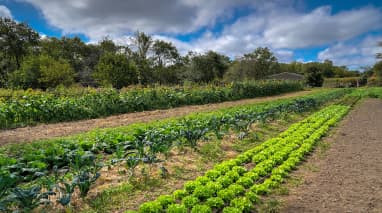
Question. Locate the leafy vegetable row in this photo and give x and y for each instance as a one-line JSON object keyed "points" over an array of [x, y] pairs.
{"points": [[73, 161], [234, 185], [47, 108]]}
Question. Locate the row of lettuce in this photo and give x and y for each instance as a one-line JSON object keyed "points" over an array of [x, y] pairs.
{"points": [[47, 107], [234, 186], [57, 167]]}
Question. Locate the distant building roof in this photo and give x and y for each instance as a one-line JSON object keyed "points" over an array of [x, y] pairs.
{"points": [[286, 76]]}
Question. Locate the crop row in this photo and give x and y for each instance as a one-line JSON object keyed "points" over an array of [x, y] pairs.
{"points": [[235, 185], [49, 108], [75, 158]]}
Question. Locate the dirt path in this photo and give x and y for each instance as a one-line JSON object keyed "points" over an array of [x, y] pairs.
{"points": [[348, 178], [45, 131]]}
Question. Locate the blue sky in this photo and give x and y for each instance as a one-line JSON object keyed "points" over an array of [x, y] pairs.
{"points": [[345, 32]]}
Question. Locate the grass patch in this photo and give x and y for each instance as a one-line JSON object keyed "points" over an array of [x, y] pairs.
{"points": [[269, 206], [211, 152]]}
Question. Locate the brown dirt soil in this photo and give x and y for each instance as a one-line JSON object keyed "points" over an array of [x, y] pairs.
{"points": [[45, 131], [347, 177]]}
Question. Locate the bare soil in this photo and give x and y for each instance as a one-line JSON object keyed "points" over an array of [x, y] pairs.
{"points": [[347, 177], [45, 131]]}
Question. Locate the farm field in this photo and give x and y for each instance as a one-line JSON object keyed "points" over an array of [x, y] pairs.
{"points": [[224, 160], [20, 108], [345, 175], [46, 131], [190, 106]]}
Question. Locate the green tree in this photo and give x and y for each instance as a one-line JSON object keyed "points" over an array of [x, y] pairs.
{"points": [[116, 70], [313, 76], [377, 69], [165, 53], [55, 72], [143, 44], [327, 69], [264, 63], [28, 74], [42, 72], [16, 39], [166, 61], [256, 65], [206, 67]]}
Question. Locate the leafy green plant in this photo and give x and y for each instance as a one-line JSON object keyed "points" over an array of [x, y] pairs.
{"points": [[201, 209], [177, 208], [190, 201], [215, 202], [242, 203], [150, 207]]}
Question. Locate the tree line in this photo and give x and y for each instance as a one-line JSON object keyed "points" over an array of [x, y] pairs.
{"points": [[28, 60]]}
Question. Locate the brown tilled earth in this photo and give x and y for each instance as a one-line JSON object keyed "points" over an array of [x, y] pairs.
{"points": [[348, 176], [45, 131]]}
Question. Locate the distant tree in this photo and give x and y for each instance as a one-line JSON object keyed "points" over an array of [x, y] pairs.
{"points": [[165, 53], [27, 75], [143, 44], [327, 69], [55, 72], [42, 72], [206, 67], [116, 70], [377, 69], [166, 61], [264, 63], [16, 39], [108, 45], [256, 65], [313, 76]]}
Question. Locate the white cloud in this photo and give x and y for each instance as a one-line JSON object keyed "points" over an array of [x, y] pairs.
{"points": [[5, 12], [277, 24], [354, 53], [297, 30], [98, 18]]}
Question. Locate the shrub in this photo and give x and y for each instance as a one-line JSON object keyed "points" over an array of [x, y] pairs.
{"points": [[150, 207], [179, 194], [190, 201], [176, 208], [215, 202], [165, 200], [231, 210], [226, 194], [342, 82], [242, 203]]}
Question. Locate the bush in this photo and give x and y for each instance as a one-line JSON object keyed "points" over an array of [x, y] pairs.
{"points": [[179, 194], [116, 70], [242, 203], [342, 82], [176, 208], [150, 207], [215, 202], [42, 72], [165, 200], [190, 201], [231, 210], [313, 76]]}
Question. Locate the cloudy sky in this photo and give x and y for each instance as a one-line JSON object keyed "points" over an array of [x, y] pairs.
{"points": [[344, 31]]}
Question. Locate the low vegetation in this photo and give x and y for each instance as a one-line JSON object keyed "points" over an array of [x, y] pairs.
{"points": [[30, 108], [52, 171], [235, 185]]}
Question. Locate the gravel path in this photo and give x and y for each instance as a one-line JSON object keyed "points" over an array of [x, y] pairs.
{"points": [[349, 176]]}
